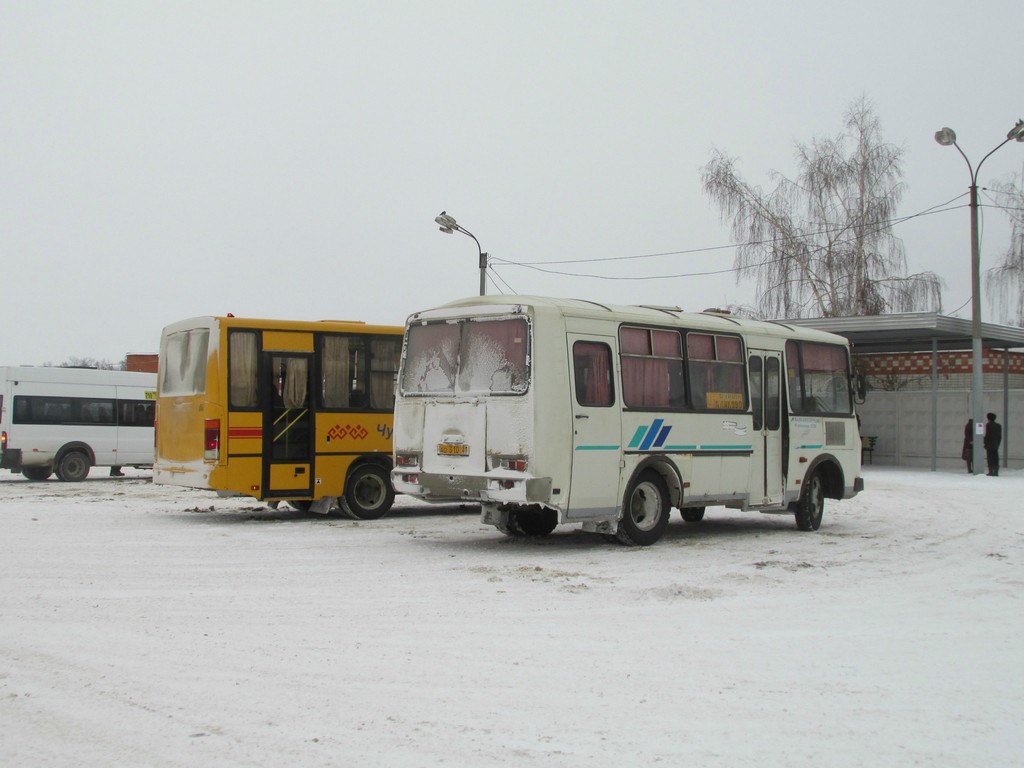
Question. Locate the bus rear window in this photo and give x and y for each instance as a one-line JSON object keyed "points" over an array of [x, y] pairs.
{"points": [[471, 357], [183, 362]]}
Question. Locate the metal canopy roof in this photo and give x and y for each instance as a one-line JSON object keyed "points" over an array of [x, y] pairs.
{"points": [[913, 332]]}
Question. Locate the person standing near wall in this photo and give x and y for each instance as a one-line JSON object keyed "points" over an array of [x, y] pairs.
{"points": [[993, 437], [967, 454]]}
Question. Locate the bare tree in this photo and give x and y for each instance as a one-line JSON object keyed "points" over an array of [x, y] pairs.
{"points": [[1006, 282], [822, 245], [91, 362]]}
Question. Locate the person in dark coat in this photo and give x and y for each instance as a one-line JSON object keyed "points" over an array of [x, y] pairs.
{"points": [[993, 437], [967, 454]]}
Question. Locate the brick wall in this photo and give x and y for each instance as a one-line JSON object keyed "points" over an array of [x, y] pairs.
{"points": [[920, 363]]}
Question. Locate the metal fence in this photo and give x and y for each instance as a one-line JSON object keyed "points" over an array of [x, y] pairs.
{"points": [[903, 423]]}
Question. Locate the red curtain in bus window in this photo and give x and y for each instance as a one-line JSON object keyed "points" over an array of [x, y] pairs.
{"points": [[592, 366], [645, 382]]}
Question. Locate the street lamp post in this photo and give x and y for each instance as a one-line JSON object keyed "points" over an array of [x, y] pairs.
{"points": [[947, 137], [449, 225]]}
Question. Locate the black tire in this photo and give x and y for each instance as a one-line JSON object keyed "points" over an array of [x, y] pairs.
{"points": [[692, 514], [532, 522], [73, 467], [811, 505], [300, 505], [37, 473], [645, 511], [368, 493]]}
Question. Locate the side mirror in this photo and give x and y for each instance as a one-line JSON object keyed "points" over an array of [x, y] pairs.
{"points": [[860, 387]]}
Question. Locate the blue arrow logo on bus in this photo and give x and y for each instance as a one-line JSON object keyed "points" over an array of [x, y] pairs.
{"points": [[647, 436]]}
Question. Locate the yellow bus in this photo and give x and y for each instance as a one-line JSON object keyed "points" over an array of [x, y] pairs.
{"points": [[280, 411]]}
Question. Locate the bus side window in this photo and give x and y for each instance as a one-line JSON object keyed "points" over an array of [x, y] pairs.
{"points": [[592, 367]]}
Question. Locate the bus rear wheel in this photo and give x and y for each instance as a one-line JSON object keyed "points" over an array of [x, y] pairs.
{"points": [[532, 522], [37, 473], [645, 513], [73, 467], [368, 493], [811, 505], [692, 514]]}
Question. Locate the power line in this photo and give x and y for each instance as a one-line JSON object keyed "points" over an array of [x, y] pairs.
{"points": [[940, 208], [539, 266]]}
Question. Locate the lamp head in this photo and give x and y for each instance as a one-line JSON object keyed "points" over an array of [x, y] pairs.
{"points": [[946, 137], [445, 222], [1017, 132]]}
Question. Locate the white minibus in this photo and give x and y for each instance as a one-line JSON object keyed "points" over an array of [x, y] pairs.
{"points": [[67, 420], [553, 411]]}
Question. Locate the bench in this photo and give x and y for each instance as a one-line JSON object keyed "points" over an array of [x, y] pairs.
{"points": [[867, 445]]}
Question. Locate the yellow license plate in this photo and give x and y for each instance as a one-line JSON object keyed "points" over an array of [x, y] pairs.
{"points": [[453, 449]]}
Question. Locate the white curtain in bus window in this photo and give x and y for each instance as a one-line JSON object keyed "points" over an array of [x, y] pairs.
{"points": [[431, 357], [334, 368], [493, 357], [296, 377], [826, 383], [183, 362], [384, 354], [242, 357]]}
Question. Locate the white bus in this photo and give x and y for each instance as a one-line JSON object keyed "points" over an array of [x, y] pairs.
{"points": [[67, 420], [550, 411]]}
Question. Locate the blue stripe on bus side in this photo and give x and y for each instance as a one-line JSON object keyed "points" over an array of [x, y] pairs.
{"points": [[651, 434]]}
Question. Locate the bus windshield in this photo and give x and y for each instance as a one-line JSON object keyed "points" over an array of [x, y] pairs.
{"points": [[467, 357]]}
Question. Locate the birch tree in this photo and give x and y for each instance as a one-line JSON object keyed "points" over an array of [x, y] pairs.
{"points": [[821, 245], [1005, 283]]}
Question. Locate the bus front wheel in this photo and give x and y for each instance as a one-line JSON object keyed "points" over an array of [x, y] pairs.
{"points": [[645, 514], [73, 467], [811, 505], [368, 493]]}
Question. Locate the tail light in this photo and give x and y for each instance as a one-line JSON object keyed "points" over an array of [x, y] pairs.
{"points": [[515, 463], [211, 439], [3, 440], [407, 459]]}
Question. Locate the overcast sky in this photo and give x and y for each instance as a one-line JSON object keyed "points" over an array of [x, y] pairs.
{"points": [[161, 160]]}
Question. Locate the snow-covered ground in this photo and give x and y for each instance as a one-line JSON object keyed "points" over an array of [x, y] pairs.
{"points": [[151, 626]]}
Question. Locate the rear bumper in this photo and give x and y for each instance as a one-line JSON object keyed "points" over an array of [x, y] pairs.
{"points": [[502, 489], [11, 459]]}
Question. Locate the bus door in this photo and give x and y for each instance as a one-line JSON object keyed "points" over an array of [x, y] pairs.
{"points": [[596, 428], [288, 421], [766, 486]]}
